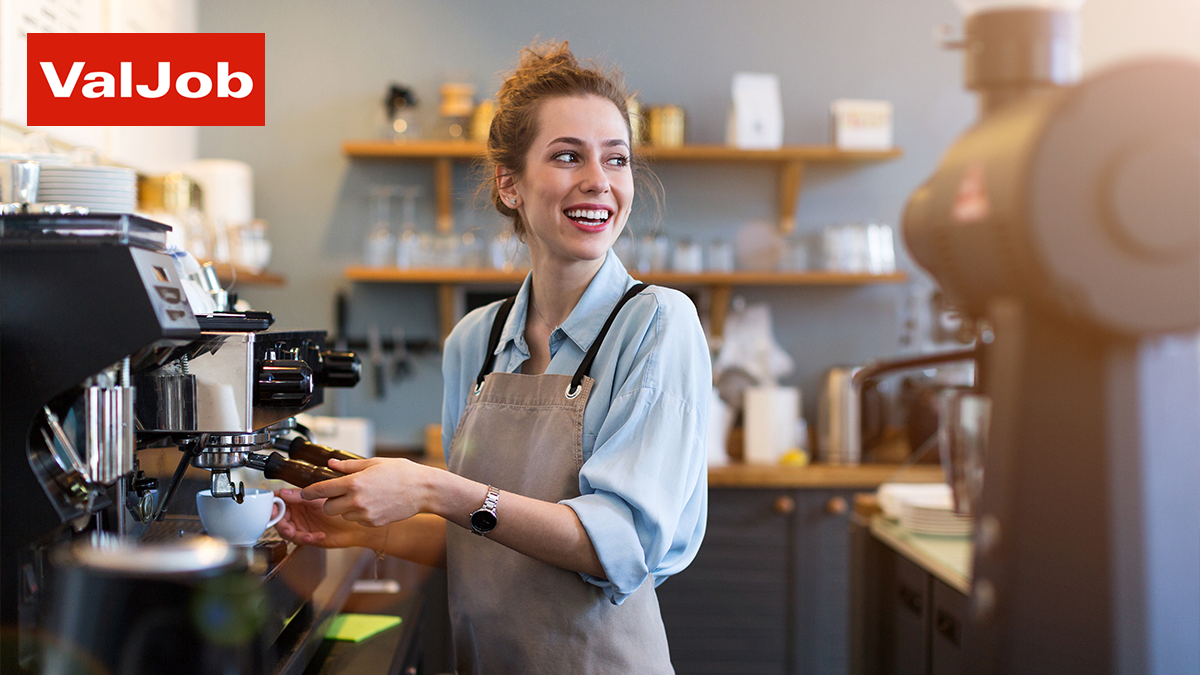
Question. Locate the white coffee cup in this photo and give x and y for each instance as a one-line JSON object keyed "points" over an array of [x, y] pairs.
{"points": [[239, 524]]}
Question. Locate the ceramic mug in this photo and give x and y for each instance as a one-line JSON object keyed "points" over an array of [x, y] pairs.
{"points": [[239, 524]]}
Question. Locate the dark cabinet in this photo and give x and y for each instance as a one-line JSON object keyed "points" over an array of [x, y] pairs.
{"points": [[904, 620], [768, 592]]}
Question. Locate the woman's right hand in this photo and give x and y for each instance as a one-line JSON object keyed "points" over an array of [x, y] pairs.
{"points": [[307, 523]]}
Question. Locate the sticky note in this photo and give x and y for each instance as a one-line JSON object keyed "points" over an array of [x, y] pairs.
{"points": [[359, 627]]}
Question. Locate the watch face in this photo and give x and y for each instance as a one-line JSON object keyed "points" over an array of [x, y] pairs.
{"points": [[483, 521]]}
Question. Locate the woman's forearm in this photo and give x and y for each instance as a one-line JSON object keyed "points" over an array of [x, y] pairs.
{"points": [[420, 539], [551, 533]]}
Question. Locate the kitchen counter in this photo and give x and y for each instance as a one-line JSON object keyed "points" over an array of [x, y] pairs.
{"points": [[818, 476], [946, 558]]}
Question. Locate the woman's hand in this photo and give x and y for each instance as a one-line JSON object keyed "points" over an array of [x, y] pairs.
{"points": [[374, 492], [305, 522]]}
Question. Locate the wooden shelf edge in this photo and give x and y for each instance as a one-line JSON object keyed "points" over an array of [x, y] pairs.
{"points": [[741, 278], [708, 153], [234, 274], [863, 476]]}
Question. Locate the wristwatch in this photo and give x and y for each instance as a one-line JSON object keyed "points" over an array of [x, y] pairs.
{"points": [[484, 520]]}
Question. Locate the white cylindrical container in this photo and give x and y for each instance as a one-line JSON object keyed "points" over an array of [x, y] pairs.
{"points": [[771, 414], [226, 188]]}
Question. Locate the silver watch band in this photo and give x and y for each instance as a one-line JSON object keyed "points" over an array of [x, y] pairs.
{"points": [[493, 498]]}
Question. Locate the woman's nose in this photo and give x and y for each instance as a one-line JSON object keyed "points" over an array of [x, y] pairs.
{"points": [[594, 179]]}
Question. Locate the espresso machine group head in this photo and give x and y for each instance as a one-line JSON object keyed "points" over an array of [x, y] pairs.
{"points": [[1066, 224], [101, 356]]}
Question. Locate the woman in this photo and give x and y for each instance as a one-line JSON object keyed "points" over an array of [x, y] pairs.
{"points": [[574, 415]]}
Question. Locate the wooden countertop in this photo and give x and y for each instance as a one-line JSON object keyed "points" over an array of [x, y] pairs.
{"points": [[864, 476]]}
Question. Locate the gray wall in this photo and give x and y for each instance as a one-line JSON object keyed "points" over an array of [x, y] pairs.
{"points": [[328, 65]]}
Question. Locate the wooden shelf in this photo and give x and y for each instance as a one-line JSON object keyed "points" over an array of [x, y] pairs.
{"points": [[233, 274], [790, 161], [719, 285], [744, 278]]}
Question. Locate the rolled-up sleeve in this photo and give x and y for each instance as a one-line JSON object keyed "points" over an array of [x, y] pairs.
{"points": [[644, 488]]}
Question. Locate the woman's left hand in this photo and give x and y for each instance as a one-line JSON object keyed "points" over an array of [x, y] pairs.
{"points": [[374, 492]]}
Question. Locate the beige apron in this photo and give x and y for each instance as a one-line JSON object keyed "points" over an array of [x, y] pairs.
{"points": [[509, 612]]}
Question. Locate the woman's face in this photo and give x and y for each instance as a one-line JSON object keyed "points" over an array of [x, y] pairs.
{"points": [[577, 187]]}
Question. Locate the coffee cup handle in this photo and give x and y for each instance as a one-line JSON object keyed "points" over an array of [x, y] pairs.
{"points": [[282, 510]]}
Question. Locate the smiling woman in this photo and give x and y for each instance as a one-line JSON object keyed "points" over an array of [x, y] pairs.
{"points": [[574, 418]]}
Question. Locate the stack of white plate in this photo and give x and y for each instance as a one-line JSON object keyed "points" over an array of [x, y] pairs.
{"points": [[102, 189], [924, 508], [935, 519]]}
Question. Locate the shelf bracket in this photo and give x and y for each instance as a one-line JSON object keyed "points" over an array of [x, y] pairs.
{"points": [[447, 308], [791, 179], [443, 171], [718, 309]]}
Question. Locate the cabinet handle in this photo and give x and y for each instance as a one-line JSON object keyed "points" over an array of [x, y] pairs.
{"points": [[837, 506], [784, 505], [948, 626], [910, 599]]}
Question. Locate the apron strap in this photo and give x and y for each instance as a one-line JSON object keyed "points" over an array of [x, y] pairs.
{"points": [[494, 340], [585, 366]]}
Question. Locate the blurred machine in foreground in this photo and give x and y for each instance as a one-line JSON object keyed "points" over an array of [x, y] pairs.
{"points": [[1066, 223], [103, 358]]}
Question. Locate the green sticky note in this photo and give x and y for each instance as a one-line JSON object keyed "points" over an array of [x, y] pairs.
{"points": [[359, 627]]}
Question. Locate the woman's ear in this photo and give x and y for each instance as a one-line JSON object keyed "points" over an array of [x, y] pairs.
{"points": [[507, 188]]}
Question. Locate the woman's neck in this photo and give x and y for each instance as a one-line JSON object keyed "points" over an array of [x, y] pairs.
{"points": [[558, 287]]}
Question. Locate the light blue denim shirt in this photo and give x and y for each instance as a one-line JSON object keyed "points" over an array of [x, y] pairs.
{"points": [[644, 481]]}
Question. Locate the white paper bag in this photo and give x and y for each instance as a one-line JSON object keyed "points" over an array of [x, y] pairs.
{"points": [[756, 116]]}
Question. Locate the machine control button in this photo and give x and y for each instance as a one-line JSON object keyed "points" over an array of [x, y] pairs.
{"points": [[283, 383], [169, 293], [339, 369]]}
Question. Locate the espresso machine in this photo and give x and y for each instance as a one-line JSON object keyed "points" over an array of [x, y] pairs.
{"points": [[103, 358], [1066, 223]]}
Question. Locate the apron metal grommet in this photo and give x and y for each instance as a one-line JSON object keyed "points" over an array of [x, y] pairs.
{"points": [[578, 388], [478, 388]]}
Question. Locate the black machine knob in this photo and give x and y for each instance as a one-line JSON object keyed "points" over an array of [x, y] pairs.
{"points": [[339, 369], [301, 474], [284, 383], [307, 451]]}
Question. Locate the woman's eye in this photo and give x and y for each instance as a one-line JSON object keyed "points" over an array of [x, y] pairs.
{"points": [[566, 157], [619, 161]]}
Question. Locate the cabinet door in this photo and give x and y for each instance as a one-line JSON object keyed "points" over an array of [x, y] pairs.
{"points": [[820, 644], [906, 617], [945, 642], [728, 611]]}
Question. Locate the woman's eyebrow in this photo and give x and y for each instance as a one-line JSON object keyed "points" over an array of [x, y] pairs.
{"points": [[571, 140]]}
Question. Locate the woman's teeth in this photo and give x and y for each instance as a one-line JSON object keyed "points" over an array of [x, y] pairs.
{"points": [[589, 215]]}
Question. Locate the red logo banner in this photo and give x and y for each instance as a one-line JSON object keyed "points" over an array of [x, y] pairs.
{"points": [[146, 79]]}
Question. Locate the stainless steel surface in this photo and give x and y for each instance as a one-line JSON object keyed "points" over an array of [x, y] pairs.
{"points": [[219, 459], [108, 432]]}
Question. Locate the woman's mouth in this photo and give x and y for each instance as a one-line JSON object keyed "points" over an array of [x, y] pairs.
{"points": [[589, 219]]}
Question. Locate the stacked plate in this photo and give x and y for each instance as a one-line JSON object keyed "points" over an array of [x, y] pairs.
{"points": [[935, 519], [924, 508], [102, 189]]}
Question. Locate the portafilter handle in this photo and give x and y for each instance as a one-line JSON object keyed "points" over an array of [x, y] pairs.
{"points": [[307, 451], [301, 474]]}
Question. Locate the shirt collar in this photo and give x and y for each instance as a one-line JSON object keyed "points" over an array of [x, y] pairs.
{"points": [[590, 313]]}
